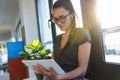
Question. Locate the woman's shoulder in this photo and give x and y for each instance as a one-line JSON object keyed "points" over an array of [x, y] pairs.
{"points": [[81, 30], [81, 35]]}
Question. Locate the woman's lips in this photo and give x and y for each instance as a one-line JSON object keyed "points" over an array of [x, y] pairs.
{"points": [[61, 26]]}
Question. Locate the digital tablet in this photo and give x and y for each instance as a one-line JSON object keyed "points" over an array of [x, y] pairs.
{"points": [[46, 63]]}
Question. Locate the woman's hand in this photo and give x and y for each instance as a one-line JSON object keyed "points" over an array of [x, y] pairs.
{"points": [[49, 73]]}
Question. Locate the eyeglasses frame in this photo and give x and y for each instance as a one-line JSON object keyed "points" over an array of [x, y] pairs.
{"points": [[60, 19]]}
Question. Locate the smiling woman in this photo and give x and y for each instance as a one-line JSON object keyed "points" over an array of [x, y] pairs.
{"points": [[77, 7], [71, 50]]}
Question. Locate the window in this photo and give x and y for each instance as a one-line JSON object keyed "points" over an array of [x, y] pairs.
{"points": [[43, 17], [18, 32], [109, 17]]}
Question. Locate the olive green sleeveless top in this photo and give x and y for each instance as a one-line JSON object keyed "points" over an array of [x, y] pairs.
{"points": [[69, 58]]}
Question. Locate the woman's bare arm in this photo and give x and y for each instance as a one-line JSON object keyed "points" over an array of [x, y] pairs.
{"points": [[83, 59]]}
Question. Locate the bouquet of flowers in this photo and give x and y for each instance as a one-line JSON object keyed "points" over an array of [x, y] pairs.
{"points": [[35, 51]]}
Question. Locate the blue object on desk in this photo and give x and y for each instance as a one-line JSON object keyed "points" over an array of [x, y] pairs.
{"points": [[13, 49]]}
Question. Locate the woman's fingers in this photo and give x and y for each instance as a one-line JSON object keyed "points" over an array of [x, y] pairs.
{"points": [[52, 70], [38, 69], [52, 74], [35, 69]]}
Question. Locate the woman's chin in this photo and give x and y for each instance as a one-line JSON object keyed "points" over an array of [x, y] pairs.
{"points": [[62, 29]]}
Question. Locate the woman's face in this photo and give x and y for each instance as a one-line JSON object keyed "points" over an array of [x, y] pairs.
{"points": [[62, 18]]}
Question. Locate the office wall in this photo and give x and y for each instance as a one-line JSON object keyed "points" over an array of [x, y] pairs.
{"points": [[29, 19]]}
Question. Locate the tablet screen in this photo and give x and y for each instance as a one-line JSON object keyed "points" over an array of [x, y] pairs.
{"points": [[46, 63]]}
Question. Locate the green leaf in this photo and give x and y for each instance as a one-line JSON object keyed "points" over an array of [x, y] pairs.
{"points": [[34, 50], [48, 51], [22, 53]]}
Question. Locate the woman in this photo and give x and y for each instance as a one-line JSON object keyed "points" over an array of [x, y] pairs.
{"points": [[71, 49]]}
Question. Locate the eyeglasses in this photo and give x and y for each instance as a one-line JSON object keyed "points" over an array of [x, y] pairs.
{"points": [[60, 19]]}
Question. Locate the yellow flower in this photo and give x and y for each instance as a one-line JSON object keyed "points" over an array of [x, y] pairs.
{"points": [[35, 43]]}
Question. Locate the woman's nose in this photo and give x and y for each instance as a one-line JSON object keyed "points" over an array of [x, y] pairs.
{"points": [[58, 22]]}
